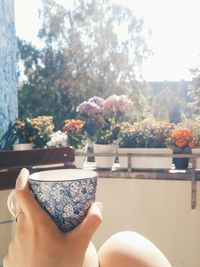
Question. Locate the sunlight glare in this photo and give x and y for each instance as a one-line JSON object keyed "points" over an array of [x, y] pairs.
{"points": [[173, 25]]}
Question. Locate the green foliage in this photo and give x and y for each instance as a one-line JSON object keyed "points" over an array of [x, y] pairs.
{"points": [[33, 130], [107, 135], [42, 92], [83, 54], [147, 134], [169, 100], [194, 92], [194, 126], [24, 131], [77, 140]]}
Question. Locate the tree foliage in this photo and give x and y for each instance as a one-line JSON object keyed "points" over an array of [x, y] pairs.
{"points": [[169, 100], [194, 93], [84, 53]]}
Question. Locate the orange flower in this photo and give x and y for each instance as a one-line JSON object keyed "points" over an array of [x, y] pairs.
{"points": [[73, 125], [181, 143], [183, 137], [191, 144], [30, 139]]}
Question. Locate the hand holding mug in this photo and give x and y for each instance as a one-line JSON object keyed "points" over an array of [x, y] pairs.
{"points": [[39, 242]]}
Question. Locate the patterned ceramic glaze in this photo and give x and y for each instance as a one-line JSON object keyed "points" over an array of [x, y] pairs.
{"points": [[67, 202]]}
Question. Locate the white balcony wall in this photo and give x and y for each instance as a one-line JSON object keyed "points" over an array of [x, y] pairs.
{"points": [[158, 209]]}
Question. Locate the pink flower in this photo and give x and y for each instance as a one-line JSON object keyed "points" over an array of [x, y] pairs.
{"points": [[88, 108], [117, 103], [124, 104], [97, 100]]}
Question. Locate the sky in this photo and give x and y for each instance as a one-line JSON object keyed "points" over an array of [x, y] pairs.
{"points": [[174, 38]]}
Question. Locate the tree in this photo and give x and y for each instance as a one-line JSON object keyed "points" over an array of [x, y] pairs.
{"points": [[40, 93], [169, 100], [194, 92], [83, 55]]}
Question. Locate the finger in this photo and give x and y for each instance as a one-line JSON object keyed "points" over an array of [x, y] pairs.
{"points": [[93, 219], [6, 261], [21, 182], [28, 205], [12, 204], [90, 224], [22, 179]]}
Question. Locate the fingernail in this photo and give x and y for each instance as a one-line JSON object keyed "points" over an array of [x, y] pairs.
{"points": [[22, 179], [98, 205]]}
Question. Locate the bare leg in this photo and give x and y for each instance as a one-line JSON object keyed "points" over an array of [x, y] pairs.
{"points": [[91, 258], [130, 249]]}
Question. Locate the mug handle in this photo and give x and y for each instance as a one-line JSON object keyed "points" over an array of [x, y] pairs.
{"points": [[12, 204]]}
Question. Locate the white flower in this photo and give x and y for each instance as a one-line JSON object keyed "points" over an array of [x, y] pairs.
{"points": [[58, 139]]}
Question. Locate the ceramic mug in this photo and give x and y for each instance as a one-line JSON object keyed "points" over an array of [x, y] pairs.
{"points": [[65, 194]]}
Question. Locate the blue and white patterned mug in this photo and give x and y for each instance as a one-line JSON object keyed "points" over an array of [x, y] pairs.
{"points": [[66, 194]]}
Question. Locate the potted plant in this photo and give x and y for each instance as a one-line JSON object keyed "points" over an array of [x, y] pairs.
{"points": [[43, 126], [102, 117], [91, 113], [77, 138], [181, 141], [105, 142], [24, 133], [194, 126], [146, 137]]}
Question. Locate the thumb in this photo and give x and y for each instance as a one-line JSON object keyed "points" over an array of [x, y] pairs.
{"points": [[93, 219], [87, 228], [22, 179], [90, 224], [21, 184]]}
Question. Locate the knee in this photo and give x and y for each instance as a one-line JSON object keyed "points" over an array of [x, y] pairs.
{"points": [[130, 249], [91, 258]]}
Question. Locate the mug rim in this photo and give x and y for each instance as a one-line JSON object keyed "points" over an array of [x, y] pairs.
{"points": [[74, 174]]}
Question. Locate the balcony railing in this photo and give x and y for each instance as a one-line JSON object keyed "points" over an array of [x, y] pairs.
{"points": [[39, 159]]}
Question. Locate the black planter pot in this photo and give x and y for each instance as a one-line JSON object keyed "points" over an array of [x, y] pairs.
{"points": [[181, 163]]}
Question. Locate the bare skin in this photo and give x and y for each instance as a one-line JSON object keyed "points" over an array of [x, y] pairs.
{"points": [[130, 249], [39, 243]]}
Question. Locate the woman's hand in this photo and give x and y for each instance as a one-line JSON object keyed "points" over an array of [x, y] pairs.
{"points": [[38, 242]]}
